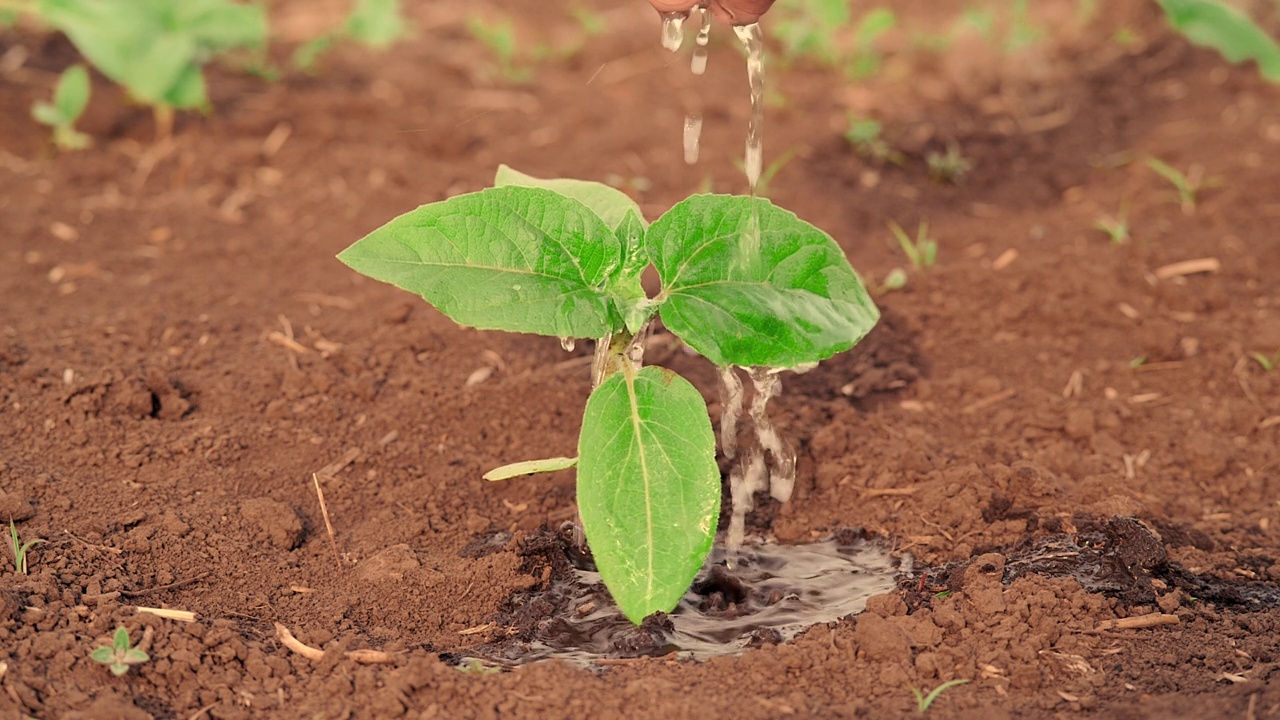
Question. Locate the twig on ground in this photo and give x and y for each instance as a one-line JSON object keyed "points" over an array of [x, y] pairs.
{"points": [[328, 526], [364, 657]]}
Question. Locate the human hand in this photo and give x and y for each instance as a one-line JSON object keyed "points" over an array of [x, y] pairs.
{"points": [[736, 12]]}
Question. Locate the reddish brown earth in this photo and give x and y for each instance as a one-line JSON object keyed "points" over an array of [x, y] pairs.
{"points": [[160, 430]]}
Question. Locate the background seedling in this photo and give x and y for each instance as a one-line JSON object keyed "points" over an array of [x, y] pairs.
{"points": [[865, 135], [70, 98], [1268, 363], [1188, 186], [156, 49], [1223, 28], [949, 167], [1116, 228], [500, 37], [121, 655], [921, 252], [377, 24], [924, 702], [19, 549], [744, 283]]}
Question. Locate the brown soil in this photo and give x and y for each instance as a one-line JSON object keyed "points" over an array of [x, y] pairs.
{"points": [[160, 429]]}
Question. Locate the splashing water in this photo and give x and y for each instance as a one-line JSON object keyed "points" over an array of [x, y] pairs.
{"points": [[748, 477], [753, 39], [673, 30], [782, 471], [568, 344], [730, 410]]}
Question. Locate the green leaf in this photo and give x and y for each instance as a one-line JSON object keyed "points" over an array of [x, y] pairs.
{"points": [[529, 467], [1226, 30], [514, 258], [103, 655], [376, 23], [769, 290], [188, 91], [648, 487], [47, 114], [120, 641], [610, 204], [135, 656], [218, 25], [72, 94]]}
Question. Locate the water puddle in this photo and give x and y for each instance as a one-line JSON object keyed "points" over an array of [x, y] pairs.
{"points": [[763, 594]]}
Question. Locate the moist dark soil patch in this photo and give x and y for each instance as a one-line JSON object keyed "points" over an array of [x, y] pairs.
{"points": [[180, 353]]}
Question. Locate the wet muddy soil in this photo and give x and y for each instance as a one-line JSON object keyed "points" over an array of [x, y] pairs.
{"points": [[1067, 436]]}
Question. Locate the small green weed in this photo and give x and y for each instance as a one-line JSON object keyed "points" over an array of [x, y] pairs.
{"points": [[818, 30], [502, 40], [1116, 227], [924, 702], [1137, 362], [20, 549], [1268, 363], [949, 167], [121, 655], [867, 139], [70, 98], [1188, 186], [921, 252]]}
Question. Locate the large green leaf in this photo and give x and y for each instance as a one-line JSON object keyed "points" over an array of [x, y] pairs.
{"points": [[513, 258], [648, 487], [611, 204], [748, 283], [1226, 30]]}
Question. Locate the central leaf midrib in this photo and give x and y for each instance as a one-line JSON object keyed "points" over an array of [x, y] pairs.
{"points": [[633, 406]]}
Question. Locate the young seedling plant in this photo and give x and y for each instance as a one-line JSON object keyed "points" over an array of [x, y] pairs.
{"points": [[19, 549], [743, 282], [70, 98], [121, 655], [1266, 362], [924, 701], [921, 252], [154, 48]]}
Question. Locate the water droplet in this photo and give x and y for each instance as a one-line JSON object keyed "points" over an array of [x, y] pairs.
{"points": [[699, 63], [753, 39], [568, 344], [692, 137], [673, 30]]}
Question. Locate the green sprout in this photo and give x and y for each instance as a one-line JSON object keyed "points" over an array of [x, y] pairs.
{"points": [[120, 656], [1268, 363], [865, 136], [20, 549], [502, 40], [1137, 362], [921, 252], [1187, 185], [70, 98], [373, 23], [742, 281], [474, 666], [949, 167], [1116, 227], [865, 59], [924, 702]]}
